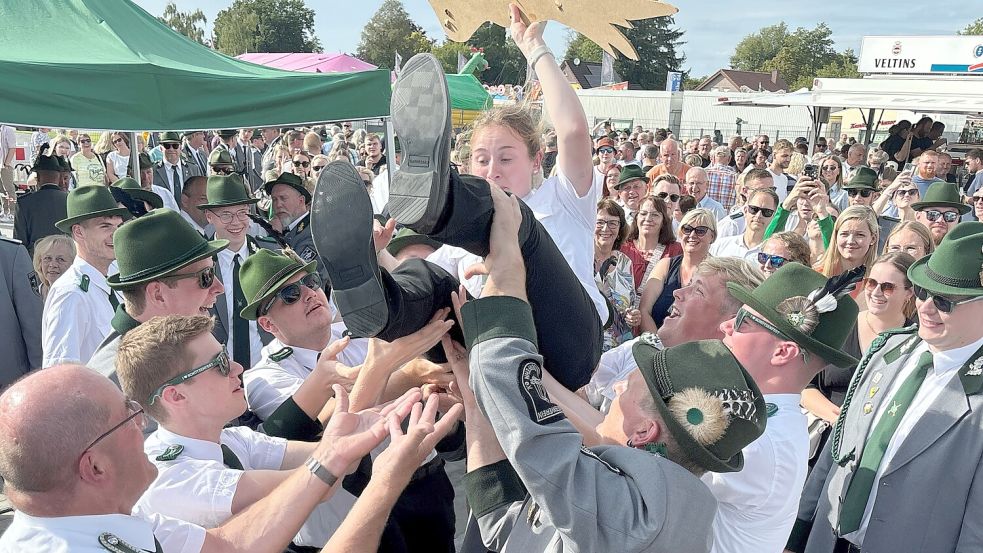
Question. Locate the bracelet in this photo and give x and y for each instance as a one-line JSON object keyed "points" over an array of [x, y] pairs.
{"points": [[319, 470], [537, 53]]}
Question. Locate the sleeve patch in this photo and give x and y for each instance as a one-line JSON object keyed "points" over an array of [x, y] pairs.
{"points": [[35, 282], [541, 409], [308, 253]]}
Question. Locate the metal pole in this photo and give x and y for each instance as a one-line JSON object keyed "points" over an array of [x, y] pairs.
{"points": [[134, 158]]}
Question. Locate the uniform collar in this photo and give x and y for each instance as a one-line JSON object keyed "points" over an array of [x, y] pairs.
{"points": [[95, 277], [194, 448], [133, 530], [304, 357], [49, 186], [296, 221], [953, 359], [243, 252], [122, 321]]}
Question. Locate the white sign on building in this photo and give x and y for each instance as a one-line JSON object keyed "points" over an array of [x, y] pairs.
{"points": [[921, 54]]}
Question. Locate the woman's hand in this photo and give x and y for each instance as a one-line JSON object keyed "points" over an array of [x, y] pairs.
{"points": [[526, 36]]}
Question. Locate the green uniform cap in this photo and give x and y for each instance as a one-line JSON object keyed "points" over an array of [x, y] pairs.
{"points": [[226, 190], [264, 273], [941, 194], [145, 161], [156, 245], [134, 189], [227, 133], [88, 202], [955, 268], [709, 402]]}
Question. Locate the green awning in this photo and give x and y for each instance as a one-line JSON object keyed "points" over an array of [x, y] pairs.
{"points": [[466, 92], [108, 64]]}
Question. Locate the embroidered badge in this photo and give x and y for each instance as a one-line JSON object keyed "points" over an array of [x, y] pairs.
{"points": [[651, 339], [282, 354], [771, 409], [308, 253], [868, 408], [976, 367], [909, 344], [171, 453], [541, 409], [83, 283], [35, 282], [893, 411], [586, 451], [110, 542]]}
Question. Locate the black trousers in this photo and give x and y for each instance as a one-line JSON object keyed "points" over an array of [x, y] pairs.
{"points": [[568, 327]]}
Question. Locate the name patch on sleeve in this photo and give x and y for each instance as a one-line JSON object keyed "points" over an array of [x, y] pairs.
{"points": [[541, 409]]}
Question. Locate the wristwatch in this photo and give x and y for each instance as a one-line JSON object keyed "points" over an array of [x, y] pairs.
{"points": [[319, 470]]}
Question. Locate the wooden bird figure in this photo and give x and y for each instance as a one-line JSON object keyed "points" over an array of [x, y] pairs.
{"points": [[598, 20]]}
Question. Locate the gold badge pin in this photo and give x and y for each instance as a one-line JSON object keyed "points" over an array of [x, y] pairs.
{"points": [[868, 408], [873, 391]]}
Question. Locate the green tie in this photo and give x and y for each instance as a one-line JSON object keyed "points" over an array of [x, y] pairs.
{"points": [[230, 459], [113, 301], [858, 493]]}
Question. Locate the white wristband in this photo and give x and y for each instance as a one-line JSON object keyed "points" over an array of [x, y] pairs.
{"points": [[538, 53]]}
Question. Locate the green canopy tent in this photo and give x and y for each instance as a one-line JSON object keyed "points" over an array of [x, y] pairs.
{"points": [[468, 97], [108, 64]]}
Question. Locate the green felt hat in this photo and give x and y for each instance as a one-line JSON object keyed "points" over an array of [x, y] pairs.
{"points": [[941, 194], [264, 273], [134, 189], [220, 156], [145, 161], [782, 300], [88, 202], [956, 266], [291, 180], [630, 173], [227, 133], [156, 245], [226, 190], [257, 134], [46, 163], [864, 178], [708, 400], [407, 237], [189, 133], [170, 136]]}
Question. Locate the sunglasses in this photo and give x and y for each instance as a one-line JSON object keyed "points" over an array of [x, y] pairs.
{"points": [[136, 412], [776, 261], [205, 277], [221, 362], [977, 199], [290, 293], [664, 195], [942, 303], [117, 141], [170, 146], [700, 231], [302, 163], [744, 316], [318, 167], [85, 142], [605, 150], [906, 192], [754, 210], [887, 288], [222, 170], [934, 214], [865, 193], [831, 168]]}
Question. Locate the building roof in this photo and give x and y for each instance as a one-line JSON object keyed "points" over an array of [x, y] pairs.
{"points": [[754, 81], [586, 74]]}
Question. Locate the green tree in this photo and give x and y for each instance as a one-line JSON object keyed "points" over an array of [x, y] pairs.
{"points": [[264, 26], [189, 24], [974, 28], [391, 31], [579, 46], [658, 44], [690, 83], [506, 64], [757, 48], [447, 53]]}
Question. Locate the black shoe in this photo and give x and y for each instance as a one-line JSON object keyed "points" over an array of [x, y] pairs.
{"points": [[421, 117], [341, 225]]}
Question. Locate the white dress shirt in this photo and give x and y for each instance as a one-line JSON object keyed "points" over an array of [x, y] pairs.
{"points": [[166, 196], [456, 261], [226, 260], [615, 366], [75, 321], [207, 230], [945, 367], [169, 171], [735, 246], [757, 506], [80, 534]]}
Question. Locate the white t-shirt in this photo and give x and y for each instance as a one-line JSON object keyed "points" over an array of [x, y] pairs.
{"points": [[734, 246], [757, 506], [120, 163], [781, 184]]}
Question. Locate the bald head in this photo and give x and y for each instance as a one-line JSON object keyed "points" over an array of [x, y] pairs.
{"points": [[669, 152], [46, 420]]}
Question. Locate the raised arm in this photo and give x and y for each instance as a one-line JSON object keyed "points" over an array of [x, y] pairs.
{"points": [[573, 156]]}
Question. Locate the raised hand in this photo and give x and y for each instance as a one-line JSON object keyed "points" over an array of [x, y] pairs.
{"points": [[398, 352], [335, 371], [381, 235], [526, 36], [407, 451]]}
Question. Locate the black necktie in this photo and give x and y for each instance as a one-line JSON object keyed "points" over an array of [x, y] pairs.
{"points": [[201, 162], [240, 326], [175, 180], [229, 458], [113, 301]]}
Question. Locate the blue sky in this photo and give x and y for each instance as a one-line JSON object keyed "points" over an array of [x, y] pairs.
{"points": [[712, 27]]}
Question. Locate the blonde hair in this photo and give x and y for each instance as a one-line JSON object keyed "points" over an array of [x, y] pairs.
{"points": [[832, 260], [44, 245], [731, 269], [698, 217], [797, 164], [519, 119], [155, 352], [916, 227]]}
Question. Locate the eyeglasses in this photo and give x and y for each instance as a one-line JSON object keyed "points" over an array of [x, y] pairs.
{"points": [[205, 277], [776, 261], [290, 293], [318, 168], [222, 170], [136, 413], [934, 214], [613, 225], [346, 126], [906, 192], [170, 146], [864, 193], [765, 212], [664, 195], [221, 362], [887, 288], [743, 315], [227, 216], [605, 150], [302, 163], [700, 231], [942, 303]]}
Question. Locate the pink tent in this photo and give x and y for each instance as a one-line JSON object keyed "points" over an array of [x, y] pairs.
{"points": [[311, 63]]}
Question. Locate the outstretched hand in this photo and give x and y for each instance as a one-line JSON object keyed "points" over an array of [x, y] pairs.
{"points": [[407, 451], [527, 36], [381, 235], [335, 371]]}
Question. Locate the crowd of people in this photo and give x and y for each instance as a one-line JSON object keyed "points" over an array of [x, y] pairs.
{"points": [[263, 340]]}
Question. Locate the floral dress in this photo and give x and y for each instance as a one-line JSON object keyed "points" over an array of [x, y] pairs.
{"points": [[615, 281]]}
